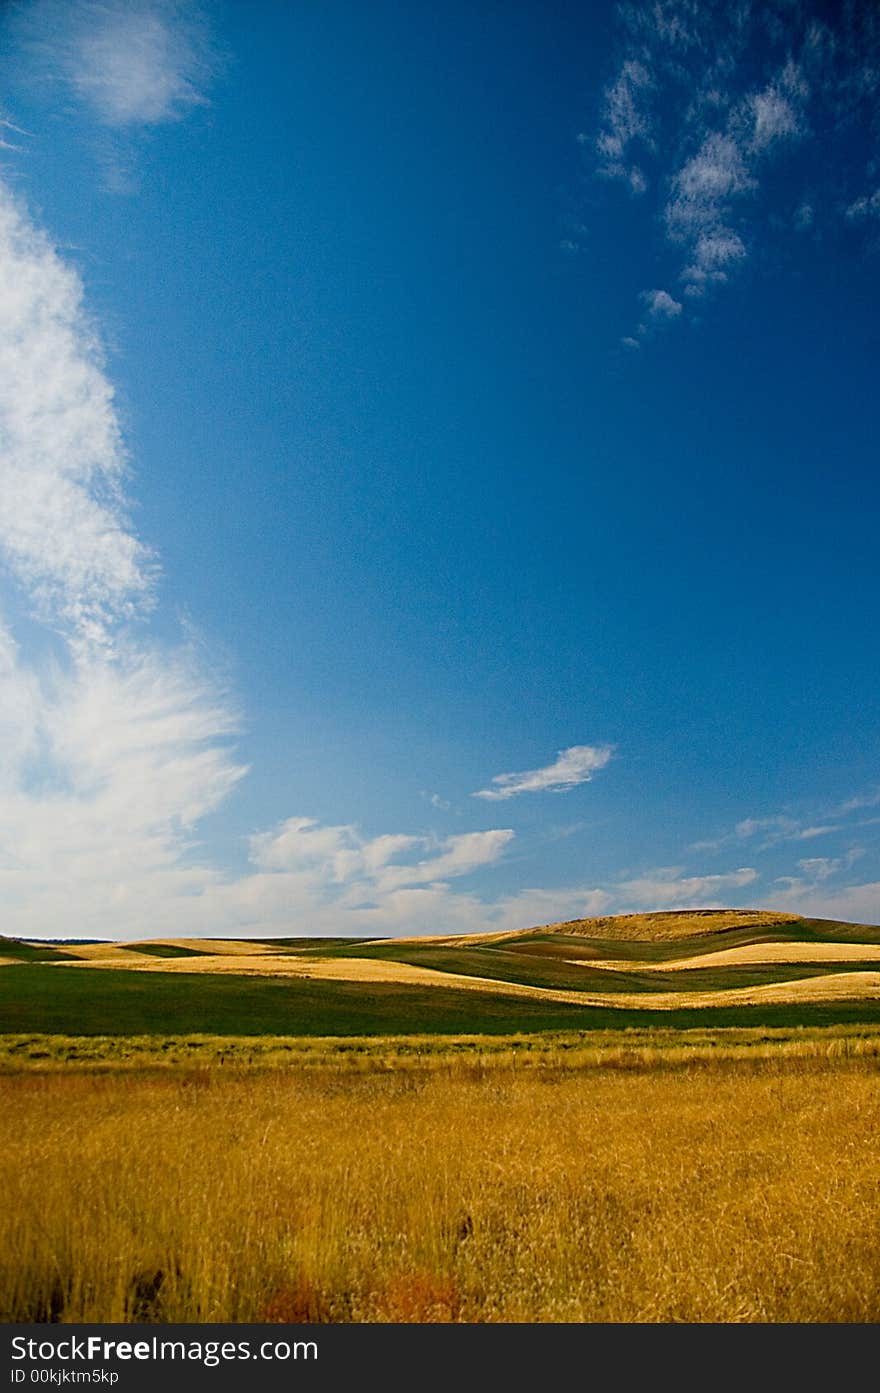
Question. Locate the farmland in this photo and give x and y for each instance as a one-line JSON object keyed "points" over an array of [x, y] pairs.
{"points": [[675, 970], [673, 1119]]}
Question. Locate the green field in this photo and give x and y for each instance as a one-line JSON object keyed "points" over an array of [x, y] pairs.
{"points": [[91, 1001], [528, 981]]}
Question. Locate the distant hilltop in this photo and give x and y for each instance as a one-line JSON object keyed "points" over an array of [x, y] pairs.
{"points": [[672, 923], [655, 926]]}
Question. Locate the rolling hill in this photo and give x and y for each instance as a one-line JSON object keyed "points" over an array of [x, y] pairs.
{"points": [[687, 967]]}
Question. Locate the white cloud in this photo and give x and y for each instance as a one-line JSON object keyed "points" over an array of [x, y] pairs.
{"points": [[340, 855], [726, 94], [456, 856], [773, 117], [661, 304], [713, 253], [857, 803], [819, 868], [867, 206], [625, 119], [63, 527], [573, 766], [112, 764], [533, 907], [131, 62], [441, 804], [715, 174], [781, 827], [667, 888], [112, 749], [776, 828], [697, 210], [8, 126], [851, 903]]}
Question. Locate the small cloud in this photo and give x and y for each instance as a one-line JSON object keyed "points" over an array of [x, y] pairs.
{"points": [[441, 804], [861, 800], [710, 844], [16, 130], [777, 827], [573, 766], [661, 304], [782, 828], [629, 342], [819, 868], [868, 206], [804, 217]]}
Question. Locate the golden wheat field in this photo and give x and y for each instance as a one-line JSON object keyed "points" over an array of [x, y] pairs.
{"points": [[730, 1189]]}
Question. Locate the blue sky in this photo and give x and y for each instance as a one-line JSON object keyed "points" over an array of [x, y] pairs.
{"points": [[439, 464]]}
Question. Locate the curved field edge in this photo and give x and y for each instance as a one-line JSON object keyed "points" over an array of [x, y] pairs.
{"points": [[104, 1001]]}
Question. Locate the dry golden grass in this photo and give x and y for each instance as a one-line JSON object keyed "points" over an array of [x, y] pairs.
{"points": [[101, 953], [670, 924], [731, 1192], [750, 953], [652, 1048]]}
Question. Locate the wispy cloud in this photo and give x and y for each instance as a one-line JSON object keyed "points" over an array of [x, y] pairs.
{"points": [[813, 890], [814, 885], [64, 530], [871, 799], [442, 805], [778, 828], [867, 206], [850, 903], [669, 888], [626, 122], [707, 103], [774, 113], [819, 868], [573, 766], [130, 62], [122, 68]]}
